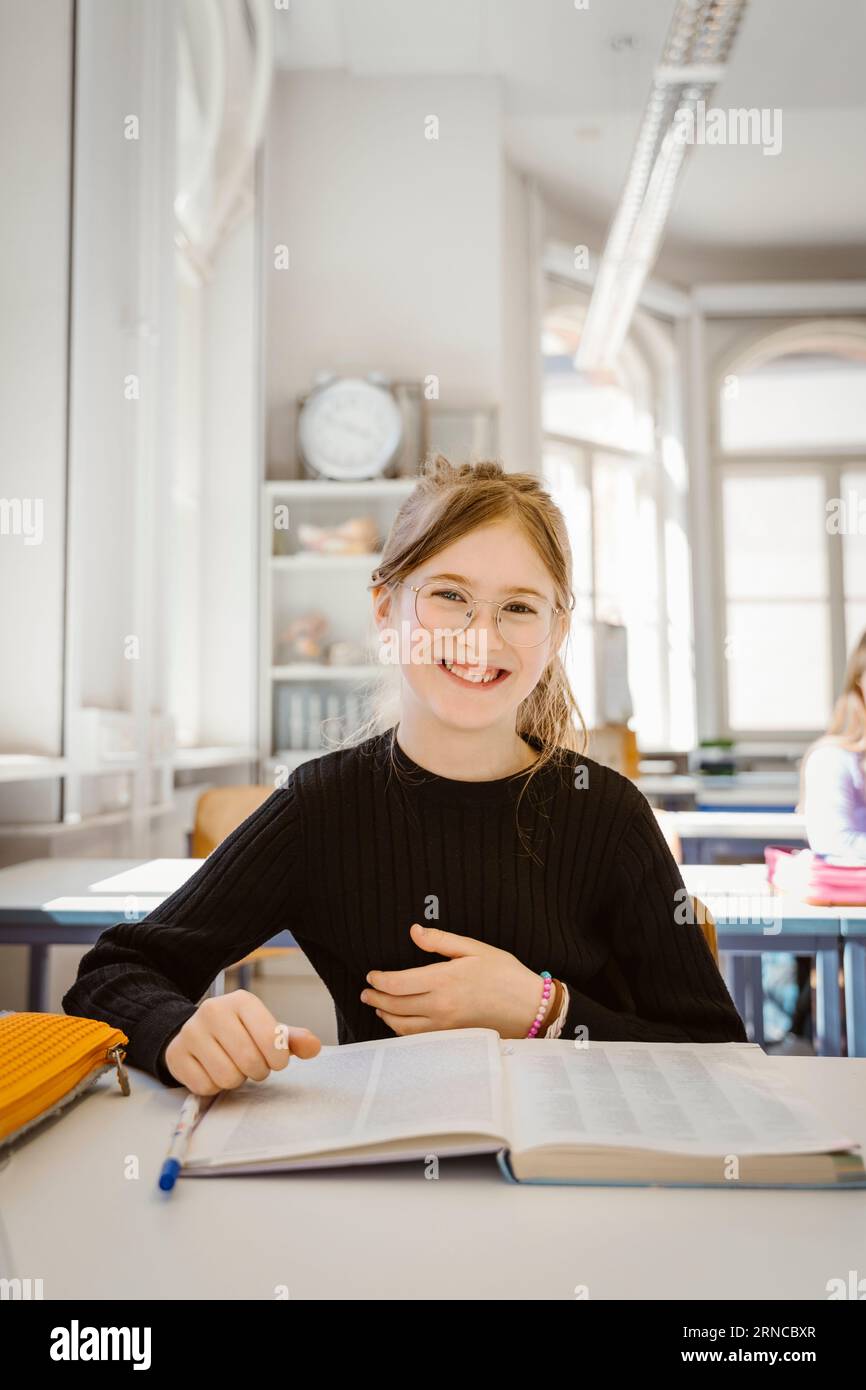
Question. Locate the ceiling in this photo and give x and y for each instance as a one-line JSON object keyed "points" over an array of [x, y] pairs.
{"points": [[574, 83]]}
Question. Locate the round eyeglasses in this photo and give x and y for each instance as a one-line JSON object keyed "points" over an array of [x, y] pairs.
{"points": [[523, 620]]}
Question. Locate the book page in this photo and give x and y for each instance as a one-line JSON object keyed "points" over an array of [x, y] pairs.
{"points": [[689, 1098], [447, 1082]]}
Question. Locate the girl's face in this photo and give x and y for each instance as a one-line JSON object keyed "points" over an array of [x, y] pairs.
{"points": [[492, 562]]}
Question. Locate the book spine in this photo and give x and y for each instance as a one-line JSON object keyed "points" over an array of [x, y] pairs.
{"points": [[504, 1165]]}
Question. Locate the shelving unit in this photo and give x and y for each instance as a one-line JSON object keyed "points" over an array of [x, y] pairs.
{"points": [[297, 581], [300, 564], [312, 671], [27, 767]]}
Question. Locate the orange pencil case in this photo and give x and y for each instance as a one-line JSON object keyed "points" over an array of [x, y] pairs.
{"points": [[46, 1060]]}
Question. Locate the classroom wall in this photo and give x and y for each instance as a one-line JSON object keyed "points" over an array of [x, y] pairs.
{"points": [[35, 95], [396, 242], [231, 471], [519, 421]]}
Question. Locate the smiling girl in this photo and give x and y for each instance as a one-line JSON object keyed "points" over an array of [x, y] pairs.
{"points": [[467, 866]]}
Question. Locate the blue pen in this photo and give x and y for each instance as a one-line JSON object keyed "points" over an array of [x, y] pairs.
{"points": [[173, 1162]]}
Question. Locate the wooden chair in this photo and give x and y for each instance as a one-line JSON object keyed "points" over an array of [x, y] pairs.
{"points": [[221, 810], [218, 812], [667, 825], [705, 921]]}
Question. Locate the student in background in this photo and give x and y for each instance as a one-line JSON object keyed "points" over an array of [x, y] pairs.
{"points": [[833, 786]]}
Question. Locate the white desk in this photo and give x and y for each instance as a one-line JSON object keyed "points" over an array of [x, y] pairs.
{"points": [[730, 890], [47, 902], [768, 826], [71, 1218], [71, 902], [751, 919], [770, 790]]}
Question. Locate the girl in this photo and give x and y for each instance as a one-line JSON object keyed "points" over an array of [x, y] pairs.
{"points": [[466, 867], [833, 789]]}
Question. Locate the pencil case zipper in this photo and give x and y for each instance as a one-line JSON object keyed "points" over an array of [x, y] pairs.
{"points": [[113, 1060]]}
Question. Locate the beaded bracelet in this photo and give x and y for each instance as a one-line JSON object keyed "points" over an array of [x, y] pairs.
{"points": [[545, 996]]}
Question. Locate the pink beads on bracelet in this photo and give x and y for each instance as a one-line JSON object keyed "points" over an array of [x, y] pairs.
{"points": [[545, 996]]}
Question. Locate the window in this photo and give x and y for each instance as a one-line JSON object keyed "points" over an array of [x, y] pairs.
{"points": [[801, 399], [610, 407], [611, 446], [776, 584], [851, 513], [567, 474], [791, 421]]}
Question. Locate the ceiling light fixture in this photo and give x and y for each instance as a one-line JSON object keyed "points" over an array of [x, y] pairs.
{"points": [[693, 61]]}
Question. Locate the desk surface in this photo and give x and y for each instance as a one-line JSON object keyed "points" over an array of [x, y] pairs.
{"points": [[95, 888], [70, 1217], [739, 825], [38, 881], [749, 881]]}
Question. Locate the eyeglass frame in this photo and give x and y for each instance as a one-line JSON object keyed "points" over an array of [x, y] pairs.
{"points": [[416, 589]]}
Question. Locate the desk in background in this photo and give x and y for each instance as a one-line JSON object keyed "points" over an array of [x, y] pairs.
{"points": [[47, 902], [71, 902], [704, 835], [735, 894]]}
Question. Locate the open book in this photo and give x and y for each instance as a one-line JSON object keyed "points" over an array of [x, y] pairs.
{"points": [[609, 1113]]}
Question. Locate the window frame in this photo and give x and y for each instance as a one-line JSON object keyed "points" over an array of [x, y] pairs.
{"points": [[828, 462], [651, 464]]}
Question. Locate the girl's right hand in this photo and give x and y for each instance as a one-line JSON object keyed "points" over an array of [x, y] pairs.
{"points": [[231, 1038]]}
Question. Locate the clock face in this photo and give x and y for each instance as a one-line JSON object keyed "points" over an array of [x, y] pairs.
{"points": [[350, 429]]}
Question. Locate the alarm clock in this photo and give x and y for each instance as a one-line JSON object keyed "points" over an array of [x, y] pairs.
{"points": [[349, 428]]}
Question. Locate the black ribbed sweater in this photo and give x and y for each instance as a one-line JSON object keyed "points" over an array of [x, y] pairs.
{"points": [[353, 850]]}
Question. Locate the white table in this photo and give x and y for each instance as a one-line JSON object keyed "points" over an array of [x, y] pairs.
{"points": [[771, 791], [70, 1216], [705, 833], [739, 825], [47, 902], [71, 902]]}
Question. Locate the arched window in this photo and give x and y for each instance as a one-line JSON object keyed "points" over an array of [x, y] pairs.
{"points": [[607, 407], [801, 388], [791, 463], [611, 446]]}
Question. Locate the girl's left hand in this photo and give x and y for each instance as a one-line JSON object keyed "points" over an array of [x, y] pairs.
{"points": [[480, 986]]}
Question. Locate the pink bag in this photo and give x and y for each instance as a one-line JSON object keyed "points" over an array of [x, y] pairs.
{"points": [[805, 875]]}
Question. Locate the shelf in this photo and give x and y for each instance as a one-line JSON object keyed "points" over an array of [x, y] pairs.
{"points": [[314, 561], [29, 767], [319, 489], [333, 583], [15, 767], [122, 767], [316, 671], [99, 821], [190, 759]]}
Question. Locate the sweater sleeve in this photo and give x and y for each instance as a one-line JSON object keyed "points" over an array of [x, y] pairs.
{"points": [[148, 977], [833, 804], [661, 966]]}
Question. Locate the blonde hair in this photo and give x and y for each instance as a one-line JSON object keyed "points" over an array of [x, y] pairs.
{"points": [[847, 727], [448, 502]]}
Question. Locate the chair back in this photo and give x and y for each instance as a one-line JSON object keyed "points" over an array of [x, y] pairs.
{"points": [[219, 811], [706, 922]]}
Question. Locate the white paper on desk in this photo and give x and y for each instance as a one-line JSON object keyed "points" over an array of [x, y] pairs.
{"points": [[115, 907], [707, 1098], [360, 1093], [154, 876]]}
